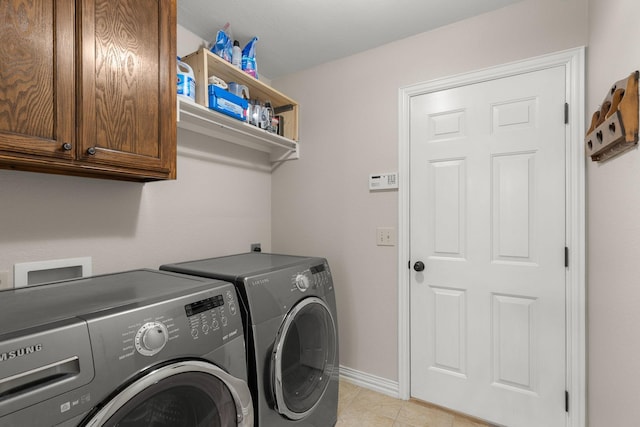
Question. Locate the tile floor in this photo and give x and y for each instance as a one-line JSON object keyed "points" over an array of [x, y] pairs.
{"points": [[361, 407]]}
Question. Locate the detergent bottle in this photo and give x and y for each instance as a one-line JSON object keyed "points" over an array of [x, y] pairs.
{"points": [[186, 81]]}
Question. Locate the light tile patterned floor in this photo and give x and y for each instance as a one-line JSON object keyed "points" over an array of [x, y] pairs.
{"points": [[361, 407]]}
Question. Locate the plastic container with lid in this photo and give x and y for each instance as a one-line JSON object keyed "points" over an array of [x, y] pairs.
{"points": [[186, 81]]}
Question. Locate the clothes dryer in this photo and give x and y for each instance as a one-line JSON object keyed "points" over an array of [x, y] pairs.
{"points": [[138, 348], [289, 312]]}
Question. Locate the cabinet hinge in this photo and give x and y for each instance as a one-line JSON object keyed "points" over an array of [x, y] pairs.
{"points": [[566, 113], [566, 256], [566, 401]]}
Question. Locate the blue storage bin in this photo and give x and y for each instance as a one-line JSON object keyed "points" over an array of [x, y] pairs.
{"points": [[227, 103]]}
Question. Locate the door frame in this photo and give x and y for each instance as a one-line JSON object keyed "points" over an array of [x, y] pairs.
{"points": [[573, 60]]}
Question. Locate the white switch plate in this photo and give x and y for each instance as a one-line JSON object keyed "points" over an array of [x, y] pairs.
{"points": [[383, 181], [386, 236]]}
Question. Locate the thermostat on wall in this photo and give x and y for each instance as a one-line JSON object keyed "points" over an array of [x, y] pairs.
{"points": [[383, 181]]}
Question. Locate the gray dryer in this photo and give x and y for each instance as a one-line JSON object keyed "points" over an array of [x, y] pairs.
{"points": [[289, 314]]}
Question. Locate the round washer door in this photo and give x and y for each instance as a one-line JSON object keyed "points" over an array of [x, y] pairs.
{"points": [[303, 358], [182, 394]]}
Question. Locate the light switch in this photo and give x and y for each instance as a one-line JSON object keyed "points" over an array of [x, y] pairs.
{"points": [[386, 236]]}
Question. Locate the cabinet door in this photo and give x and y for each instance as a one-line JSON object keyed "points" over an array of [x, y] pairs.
{"points": [[36, 80], [127, 105]]}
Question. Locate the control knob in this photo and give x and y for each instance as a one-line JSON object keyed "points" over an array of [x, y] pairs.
{"points": [[302, 282], [151, 338]]}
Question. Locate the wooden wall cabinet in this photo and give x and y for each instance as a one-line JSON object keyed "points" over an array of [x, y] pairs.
{"points": [[87, 87]]}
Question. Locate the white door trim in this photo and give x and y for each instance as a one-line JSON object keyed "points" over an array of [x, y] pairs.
{"points": [[573, 60]]}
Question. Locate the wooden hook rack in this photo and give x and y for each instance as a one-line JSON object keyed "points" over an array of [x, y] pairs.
{"points": [[614, 127]]}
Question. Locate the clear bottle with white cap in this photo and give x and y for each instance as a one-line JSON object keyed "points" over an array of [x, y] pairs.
{"points": [[236, 55]]}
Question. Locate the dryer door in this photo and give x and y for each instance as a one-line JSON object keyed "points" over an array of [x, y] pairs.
{"points": [[182, 394], [304, 358]]}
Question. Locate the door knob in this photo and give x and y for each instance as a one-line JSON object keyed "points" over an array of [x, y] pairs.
{"points": [[418, 266]]}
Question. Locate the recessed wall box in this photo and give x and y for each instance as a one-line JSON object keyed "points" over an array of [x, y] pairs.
{"points": [[38, 272]]}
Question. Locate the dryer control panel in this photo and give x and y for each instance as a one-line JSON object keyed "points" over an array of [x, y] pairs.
{"points": [[274, 293], [315, 277]]}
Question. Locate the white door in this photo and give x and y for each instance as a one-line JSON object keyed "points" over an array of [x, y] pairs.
{"points": [[487, 220]]}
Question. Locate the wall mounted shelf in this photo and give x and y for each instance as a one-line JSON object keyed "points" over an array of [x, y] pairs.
{"points": [[202, 120], [197, 117], [614, 127]]}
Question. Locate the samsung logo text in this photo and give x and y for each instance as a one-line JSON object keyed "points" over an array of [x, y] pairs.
{"points": [[24, 351]]}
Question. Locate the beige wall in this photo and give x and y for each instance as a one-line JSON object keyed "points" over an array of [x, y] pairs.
{"points": [[219, 204], [613, 214], [321, 204]]}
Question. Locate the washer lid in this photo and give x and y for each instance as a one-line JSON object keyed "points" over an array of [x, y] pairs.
{"points": [[44, 304]]}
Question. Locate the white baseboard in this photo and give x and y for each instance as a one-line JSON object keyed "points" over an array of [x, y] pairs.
{"points": [[371, 382]]}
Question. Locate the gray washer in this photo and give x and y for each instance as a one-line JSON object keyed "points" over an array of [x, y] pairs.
{"points": [[290, 321], [141, 346]]}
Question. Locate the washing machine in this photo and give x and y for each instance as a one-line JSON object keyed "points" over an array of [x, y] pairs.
{"points": [[137, 348], [289, 313]]}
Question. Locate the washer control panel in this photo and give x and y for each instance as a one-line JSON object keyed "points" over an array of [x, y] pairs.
{"points": [[212, 314], [146, 333], [151, 338], [193, 324]]}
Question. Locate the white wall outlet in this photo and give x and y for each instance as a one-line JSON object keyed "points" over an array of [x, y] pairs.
{"points": [[386, 236], [5, 280]]}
